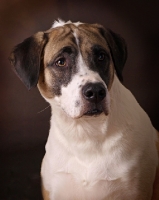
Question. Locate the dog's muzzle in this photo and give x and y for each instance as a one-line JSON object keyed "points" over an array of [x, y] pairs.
{"points": [[94, 94]]}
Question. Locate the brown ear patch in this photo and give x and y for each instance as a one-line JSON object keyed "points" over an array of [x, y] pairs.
{"points": [[26, 58]]}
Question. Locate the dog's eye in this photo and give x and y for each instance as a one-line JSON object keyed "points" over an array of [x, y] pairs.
{"points": [[101, 56], [61, 62]]}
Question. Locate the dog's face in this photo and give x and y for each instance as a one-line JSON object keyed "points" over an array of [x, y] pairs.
{"points": [[73, 65]]}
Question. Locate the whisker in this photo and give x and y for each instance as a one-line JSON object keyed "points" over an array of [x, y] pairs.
{"points": [[43, 109]]}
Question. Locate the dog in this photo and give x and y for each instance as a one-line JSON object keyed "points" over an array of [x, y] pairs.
{"points": [[101, 144]]}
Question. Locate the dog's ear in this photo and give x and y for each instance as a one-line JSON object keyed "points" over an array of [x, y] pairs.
{"points": [[117, 48], [26, 59]]}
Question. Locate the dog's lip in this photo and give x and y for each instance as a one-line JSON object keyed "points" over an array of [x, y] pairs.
{"points": [[93, 112]]}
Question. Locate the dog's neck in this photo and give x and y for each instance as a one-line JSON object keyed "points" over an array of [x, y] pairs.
{"points": [[82, 137], [81, 129]]}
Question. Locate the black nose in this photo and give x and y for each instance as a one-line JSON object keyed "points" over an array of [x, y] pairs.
{"points": [[94, 92]]}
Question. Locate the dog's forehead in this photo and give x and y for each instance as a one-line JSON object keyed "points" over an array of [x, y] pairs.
{"points": [[75, 34]]}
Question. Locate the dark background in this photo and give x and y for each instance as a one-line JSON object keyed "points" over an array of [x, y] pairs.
{"points": [[23, 127]]}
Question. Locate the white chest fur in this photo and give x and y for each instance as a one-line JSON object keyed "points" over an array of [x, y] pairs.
{"points": [[111, 157]]}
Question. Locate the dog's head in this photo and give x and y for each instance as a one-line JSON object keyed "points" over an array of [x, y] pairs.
{"points": [[73, 65]]}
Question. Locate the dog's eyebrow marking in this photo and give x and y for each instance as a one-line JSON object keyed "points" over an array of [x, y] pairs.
{"points": [[97, 48], [67, 49]]}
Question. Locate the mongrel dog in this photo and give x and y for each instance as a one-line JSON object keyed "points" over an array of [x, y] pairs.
{"points": [[101, 145]]}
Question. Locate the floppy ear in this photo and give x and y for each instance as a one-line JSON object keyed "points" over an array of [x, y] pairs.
{"points": [[117, 48], [26, 58]]}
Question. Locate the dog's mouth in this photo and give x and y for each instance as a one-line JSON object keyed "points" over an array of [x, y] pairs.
{"points": [[94, 112], [96, 109]]}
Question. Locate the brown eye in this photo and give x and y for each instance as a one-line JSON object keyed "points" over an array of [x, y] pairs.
{"points": [[101, 56], [61, 62]]}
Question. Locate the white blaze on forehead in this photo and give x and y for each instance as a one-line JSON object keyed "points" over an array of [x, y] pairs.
{"points": [[76, 38], [60, 22], [83, 69]]}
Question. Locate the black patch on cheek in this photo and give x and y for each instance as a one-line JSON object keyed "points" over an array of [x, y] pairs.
{"points": [[56, 86], [59, 79], [62, 76]]}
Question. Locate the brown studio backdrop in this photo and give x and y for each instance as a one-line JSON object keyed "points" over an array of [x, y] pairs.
{"points": [[23, 128]]}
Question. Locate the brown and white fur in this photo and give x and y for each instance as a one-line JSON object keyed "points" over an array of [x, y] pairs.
{"points": [[101, 144]]}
